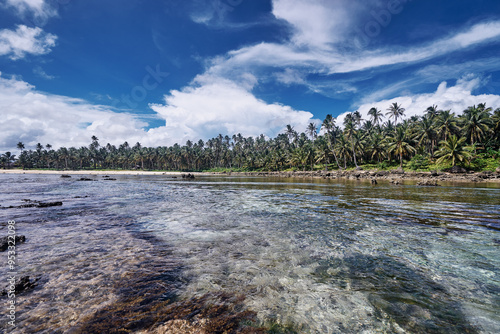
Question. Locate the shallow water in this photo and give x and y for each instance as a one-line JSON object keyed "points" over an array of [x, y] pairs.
{"points": [[318, 256]]}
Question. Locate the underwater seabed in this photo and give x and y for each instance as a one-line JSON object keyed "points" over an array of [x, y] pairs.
{"points": [[153, 255]]}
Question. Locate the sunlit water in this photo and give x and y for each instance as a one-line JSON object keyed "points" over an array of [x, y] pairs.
{"points": [[319, 256]]}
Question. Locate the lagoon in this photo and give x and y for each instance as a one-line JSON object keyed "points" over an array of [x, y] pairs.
{"points": [[307, 256]]}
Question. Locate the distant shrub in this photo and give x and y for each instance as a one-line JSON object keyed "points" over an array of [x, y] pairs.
{"points": [[418, 162]]}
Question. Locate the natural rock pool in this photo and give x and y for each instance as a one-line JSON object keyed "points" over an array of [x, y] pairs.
{"points": [[294, 255]]}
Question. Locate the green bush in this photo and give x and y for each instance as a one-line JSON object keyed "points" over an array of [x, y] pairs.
{"points": [[418, 162]]}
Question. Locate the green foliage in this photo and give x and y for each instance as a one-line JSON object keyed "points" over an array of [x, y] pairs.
{"points": [[484, 162], [418, 162], [470, 138]]}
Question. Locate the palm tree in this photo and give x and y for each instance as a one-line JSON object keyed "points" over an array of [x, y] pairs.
{"points": [[399, 143], [375, 115], [376, 146], [426, 133], [312, 130], [290, 132], [453, 149], [475, 123], [496, 124], [8, 158], [331, 133], [350, 129], [446, 124], [395, 111], [432, 111], [20, 146], [356, 117], [343, 147]]}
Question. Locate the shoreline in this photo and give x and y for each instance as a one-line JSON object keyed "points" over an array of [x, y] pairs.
{"points": [[394, 176]]}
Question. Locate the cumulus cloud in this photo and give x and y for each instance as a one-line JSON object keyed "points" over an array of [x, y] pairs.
{"points": [[203, 112], [455, 98], [225, 107], [38, 8], [25, 40], [317, 23], [31, 117]]}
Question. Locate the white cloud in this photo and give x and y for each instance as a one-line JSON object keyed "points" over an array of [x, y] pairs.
{"points": [[455, 98], [197, 113], [31, 117], [317, 23], [24, 40], [39, 8], [38, 70], [222, 106]]}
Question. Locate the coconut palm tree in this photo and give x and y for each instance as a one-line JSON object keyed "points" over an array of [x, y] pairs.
{"points": [[475, 123], [331, 134], [21, 147], [375, 115], [349, 130], [395, 111], [8, 158], [453, 149], [426, 133], [400, 144], [446, 124], [344, 148], [377, 146], [432, 111], [312, 130]]}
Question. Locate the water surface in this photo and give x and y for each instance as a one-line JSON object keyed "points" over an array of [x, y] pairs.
{"points": [[317, 256]]}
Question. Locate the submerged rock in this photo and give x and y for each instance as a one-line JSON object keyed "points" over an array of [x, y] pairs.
{"points": [[49, 204], [4, 242], [65, 176], [33, 204], [430, 183], [374, 181], [22, 284], [188, 176], [85, 179]]}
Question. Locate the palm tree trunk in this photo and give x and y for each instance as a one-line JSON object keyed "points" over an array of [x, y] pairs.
{"points": [[354, 154]]}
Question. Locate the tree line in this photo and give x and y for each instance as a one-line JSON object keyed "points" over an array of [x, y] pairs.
{"points": [[385, 138]]}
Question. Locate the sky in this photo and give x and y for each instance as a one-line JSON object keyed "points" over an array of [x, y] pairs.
{"points": [[161, 72]]}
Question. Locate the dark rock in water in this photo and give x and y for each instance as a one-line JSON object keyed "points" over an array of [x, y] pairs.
{"points": [[85, 179], [34, 204], [65, 176], [22, 284], [48, 204], [430, 183], [457, 170], [374, 181], [396, 182], [434, 173], [403, 294], [105, 176], [4, 242], [188, 176], [110, 179]]}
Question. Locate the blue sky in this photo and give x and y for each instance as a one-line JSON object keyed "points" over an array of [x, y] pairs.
{"points": [[161, 72]]}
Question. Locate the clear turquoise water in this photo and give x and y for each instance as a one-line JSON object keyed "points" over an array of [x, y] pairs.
{"points": [[321, 256]]}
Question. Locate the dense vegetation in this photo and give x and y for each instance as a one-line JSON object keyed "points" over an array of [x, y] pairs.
{"points": [[438, 139]]}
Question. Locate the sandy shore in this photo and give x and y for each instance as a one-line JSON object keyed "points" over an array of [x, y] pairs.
{"points": [[90, 172], [425, 178]]}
